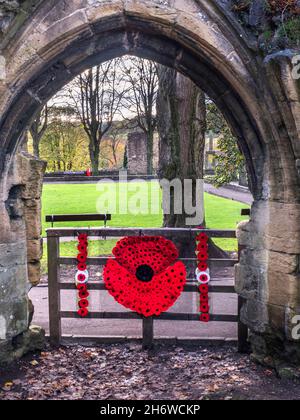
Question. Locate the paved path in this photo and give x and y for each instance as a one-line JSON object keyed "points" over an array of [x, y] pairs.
{"points": [[231, 193]]}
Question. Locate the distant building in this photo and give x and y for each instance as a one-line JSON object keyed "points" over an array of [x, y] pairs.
{"points": [[211, 153]]}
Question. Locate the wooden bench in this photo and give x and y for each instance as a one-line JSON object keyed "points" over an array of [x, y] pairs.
{"points": [[245, 212], [78, 218]]}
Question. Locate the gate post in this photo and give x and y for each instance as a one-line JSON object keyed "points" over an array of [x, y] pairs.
{"points": [[148, 333], [53, 289], [242, 328]]}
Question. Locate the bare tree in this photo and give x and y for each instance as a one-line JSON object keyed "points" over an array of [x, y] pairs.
{"points": [[38, 129], [114, 139], [96, 96], [141, 76]]}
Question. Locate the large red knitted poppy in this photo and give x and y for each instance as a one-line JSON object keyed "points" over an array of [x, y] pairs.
{"points": [[142, 277]]}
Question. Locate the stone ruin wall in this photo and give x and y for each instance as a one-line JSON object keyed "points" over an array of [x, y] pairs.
{"points": [[268, 274], [21, 251], [137, 153]]}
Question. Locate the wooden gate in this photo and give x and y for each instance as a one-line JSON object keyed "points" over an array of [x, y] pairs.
{"points": [[55, 261]]}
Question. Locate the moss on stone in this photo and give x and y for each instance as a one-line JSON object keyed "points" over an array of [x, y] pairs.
{"points": [[290, 30], [276, 24]]}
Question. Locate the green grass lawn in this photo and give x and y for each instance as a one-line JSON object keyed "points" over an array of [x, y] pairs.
{"points": [[220, 213], [82, 198]]}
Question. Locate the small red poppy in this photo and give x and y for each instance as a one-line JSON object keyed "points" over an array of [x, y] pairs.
{"points": [[204, 298], [202, 237], [81, 258], [83, 312], [83, 303], [202, 246], [142, 278], [82, 237], [204, 317], [204, 308], [82, 287], [83, 267], [83, 294], [204, 278], [202, 256], [81, 277], [203, 288], [202, 266], [82, 248]]}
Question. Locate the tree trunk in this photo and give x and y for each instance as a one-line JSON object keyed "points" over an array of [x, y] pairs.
{"points": [[125, 158], [181, 115], [38, 129], [36, 146], [150, 141], [94, 156], [182, 125], [181, 111], [115, 158]]}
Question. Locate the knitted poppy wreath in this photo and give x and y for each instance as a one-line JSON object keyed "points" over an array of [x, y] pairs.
{"points": [[145, 276]]}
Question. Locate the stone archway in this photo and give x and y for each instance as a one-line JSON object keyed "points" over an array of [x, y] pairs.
{"points": [[259, 99]]}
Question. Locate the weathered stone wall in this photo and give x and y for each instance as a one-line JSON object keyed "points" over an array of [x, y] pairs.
{"points": [[268, 275], [268, 278], [137, 153], [31, 172], [13, 256], [19, 208]]}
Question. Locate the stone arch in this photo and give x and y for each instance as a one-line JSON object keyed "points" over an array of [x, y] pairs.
{"points": [[203, 41], [220, 64]]}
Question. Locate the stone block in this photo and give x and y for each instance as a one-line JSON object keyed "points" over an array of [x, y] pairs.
{"points": [[13, 282], [283, 230], [76, 25], [243, 233], [31, 340], [246, 281], [15, 313], [283, 289], [34, 273], [107, 11], [34, 250], [283, 262], [255, 315], [32, 171], [32, 215], [12, 254], [277, 319]]}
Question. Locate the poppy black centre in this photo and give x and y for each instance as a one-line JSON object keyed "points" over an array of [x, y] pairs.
{"points": [[144, 273]]}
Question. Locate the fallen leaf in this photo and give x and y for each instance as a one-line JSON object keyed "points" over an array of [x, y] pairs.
{"points": [[8, 386]]}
